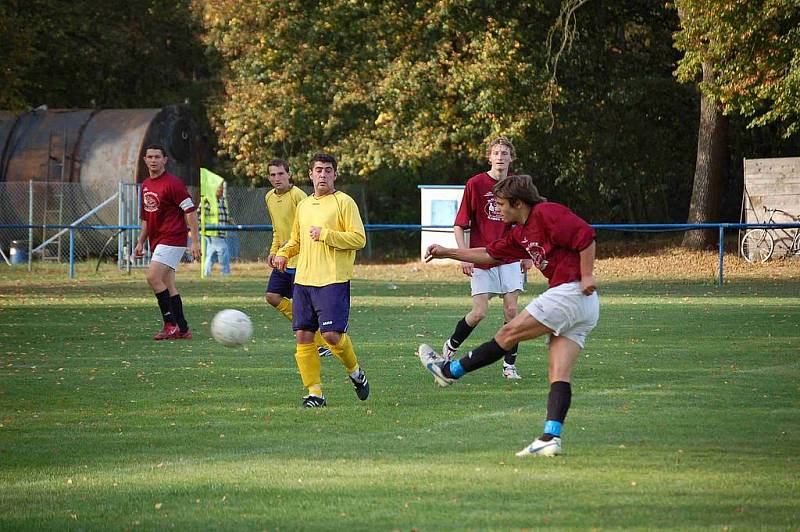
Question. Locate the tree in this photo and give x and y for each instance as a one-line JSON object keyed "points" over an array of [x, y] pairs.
{"points": [[619, 149], [83, 53], [754, 47], [383, 84], [748, 53]]}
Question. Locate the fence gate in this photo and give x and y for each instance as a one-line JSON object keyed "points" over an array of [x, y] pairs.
{"points": [[129, 194]]}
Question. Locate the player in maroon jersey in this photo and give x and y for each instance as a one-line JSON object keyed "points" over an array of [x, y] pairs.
{"points": [[479, 214], [562, 246], [167, 213]]}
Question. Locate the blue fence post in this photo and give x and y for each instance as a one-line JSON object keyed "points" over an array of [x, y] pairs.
{"points": [[72, 253], [721, 252]]}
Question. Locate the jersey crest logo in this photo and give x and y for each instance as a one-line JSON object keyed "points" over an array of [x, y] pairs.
{"points": [[536, 253], [150, 201], [491, 210]]}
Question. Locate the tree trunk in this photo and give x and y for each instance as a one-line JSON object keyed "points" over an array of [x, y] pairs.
{"points": [[709, 171]]}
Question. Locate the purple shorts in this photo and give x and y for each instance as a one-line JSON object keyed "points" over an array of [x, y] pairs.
{"points": [[281, 283], [326, 308]]}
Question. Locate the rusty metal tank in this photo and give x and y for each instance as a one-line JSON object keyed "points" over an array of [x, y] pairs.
{"points": [[97, 148]]}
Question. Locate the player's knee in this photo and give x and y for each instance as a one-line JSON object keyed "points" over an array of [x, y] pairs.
{"points": [[505, 337], [477, 315], [510, 312], [273, 299], [153, 278], [332, 337]]}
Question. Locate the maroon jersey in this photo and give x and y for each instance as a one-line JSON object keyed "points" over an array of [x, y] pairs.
{"points": [[164, 202], [479, 213], [553, 237]]}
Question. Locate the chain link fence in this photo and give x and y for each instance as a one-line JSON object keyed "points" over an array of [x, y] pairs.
{"points": [[38, 203], [61, 204]]}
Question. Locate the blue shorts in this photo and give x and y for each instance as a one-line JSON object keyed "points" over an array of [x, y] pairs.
{"points": [[326, 308], [281, 283]]}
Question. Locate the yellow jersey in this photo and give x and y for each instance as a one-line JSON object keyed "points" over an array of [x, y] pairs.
{"points": [[330, 259], [281, 209]]}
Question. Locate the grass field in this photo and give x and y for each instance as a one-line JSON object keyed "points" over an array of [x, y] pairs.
{"points": [[686, 410]]}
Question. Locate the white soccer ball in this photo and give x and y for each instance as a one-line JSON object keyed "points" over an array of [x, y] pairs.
{"points": [[231, 327]]}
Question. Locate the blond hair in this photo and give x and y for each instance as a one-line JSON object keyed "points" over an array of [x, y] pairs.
{"points": [[502, 141]]}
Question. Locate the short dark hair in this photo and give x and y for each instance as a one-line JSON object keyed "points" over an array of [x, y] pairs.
{"points": [[322, 157], [279, 162], [156, 147], [518, 187]]}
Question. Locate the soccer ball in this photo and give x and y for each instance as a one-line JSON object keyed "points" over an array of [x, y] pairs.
{"points": [[231, 327]]}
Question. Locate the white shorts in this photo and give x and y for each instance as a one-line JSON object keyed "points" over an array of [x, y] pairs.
{"points": [[567, 311], [168, 255], [502, 279]]}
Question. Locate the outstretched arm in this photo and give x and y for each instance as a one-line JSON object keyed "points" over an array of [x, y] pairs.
{"points": [[474, 255]]}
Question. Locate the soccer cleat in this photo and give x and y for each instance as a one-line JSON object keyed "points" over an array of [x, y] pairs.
{"points": [[312, 401], [361, 385], [324, 351], [448, 353], [169, 331], [433, 363], [510, 372], [183, 335], [542, 448]]}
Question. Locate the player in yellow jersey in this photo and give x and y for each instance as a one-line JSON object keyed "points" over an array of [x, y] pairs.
{"points": [[282, 203], [327, 233]]}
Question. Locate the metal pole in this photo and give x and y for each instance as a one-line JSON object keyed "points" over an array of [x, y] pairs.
{"points": [[721, 252], [121, 234], [131, 211], [30, 223], [202, 236], [72, 253]]}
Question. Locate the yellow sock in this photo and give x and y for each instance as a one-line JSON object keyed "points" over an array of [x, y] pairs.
{"points": [[344, 352], [285, 308], [310, 368]]}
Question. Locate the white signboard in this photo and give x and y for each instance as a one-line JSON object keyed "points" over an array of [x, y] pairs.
{"points": [[439, 207]]}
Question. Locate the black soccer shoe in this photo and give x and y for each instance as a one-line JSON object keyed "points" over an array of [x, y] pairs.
{"points": [[312, 401], [361, 385]]}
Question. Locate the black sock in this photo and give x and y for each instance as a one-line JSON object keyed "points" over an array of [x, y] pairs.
{"points": [[463, 330], [511, 356], [558, 401], [483, 355], [177, 309], [165, 307]]}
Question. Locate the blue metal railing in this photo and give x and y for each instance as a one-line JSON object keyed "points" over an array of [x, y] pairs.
{"points": [[632, 228]]}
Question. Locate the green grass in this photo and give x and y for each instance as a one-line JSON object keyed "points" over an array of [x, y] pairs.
{"points": [[685, 415]]}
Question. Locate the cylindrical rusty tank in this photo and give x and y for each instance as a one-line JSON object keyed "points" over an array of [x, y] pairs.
{"points": [[97, 148], [92, 151]]}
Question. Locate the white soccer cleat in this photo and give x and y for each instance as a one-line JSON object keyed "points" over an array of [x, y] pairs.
{"points": [[448, 353], [542, 448], [510, 372], [433, 362]]}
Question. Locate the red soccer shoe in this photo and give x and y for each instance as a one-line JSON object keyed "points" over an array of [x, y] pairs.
{"points": [[169, 331], [183, 335]]}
